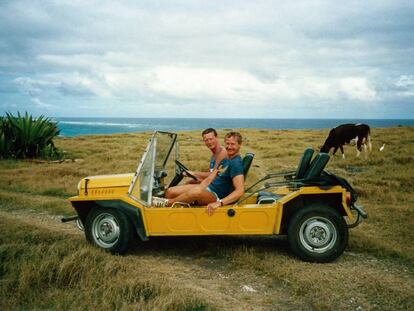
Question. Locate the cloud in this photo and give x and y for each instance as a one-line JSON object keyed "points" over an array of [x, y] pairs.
{"points": [[196, 83], [405, 85], [71, 84], [357, 88], [183, 54], [39, 104]]}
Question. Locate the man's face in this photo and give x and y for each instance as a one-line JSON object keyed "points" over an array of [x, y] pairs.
{"points": [[232, 146], [210, 140]]}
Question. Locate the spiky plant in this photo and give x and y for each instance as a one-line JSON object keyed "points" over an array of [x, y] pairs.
{"points": [[5, 143], [27, 137]]}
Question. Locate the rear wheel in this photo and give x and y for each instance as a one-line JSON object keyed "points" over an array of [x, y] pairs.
{"points": [[109, 229], [317, 233]]}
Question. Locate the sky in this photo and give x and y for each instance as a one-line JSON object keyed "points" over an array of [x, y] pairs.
{"points": [[208, 59]]}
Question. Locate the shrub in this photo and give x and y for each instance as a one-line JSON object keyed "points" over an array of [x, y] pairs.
{"points": [[27, 137]]}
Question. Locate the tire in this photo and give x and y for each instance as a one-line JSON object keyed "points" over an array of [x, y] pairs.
{"points": [[109, 229], [317, 233]]}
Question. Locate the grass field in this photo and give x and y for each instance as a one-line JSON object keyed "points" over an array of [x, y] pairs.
{"points": [[48, 265]]}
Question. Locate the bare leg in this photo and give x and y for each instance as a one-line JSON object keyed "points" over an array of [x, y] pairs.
{"points": [[197, 193], [177, 190]]}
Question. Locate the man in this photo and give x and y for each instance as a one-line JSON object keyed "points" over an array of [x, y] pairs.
{"points": [[223, 186], [218, 153]]}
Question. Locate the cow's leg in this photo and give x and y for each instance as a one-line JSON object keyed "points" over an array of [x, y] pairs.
{"points": [[359, 144], [369, 143], [365, 150], [342, 151]]}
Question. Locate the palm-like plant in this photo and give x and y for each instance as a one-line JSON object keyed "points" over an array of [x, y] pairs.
{"points": [[27, 137]]}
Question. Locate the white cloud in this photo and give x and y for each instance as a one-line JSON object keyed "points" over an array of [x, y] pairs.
{"points": [[39, 104], [405, 84], [63, 84], [358, 88], [186, 82], [183, 53]]}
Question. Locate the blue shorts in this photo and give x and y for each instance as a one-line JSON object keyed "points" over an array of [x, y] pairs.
{"points": [[215, 194]]}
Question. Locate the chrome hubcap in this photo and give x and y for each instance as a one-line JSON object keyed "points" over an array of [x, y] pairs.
{"points": [[318, 234], [105, 230]]}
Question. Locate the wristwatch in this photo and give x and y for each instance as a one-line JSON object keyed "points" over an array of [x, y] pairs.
{"points": [[221, 202]]}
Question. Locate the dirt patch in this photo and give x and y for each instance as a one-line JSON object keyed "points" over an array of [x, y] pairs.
{"points": [[44, 221]]}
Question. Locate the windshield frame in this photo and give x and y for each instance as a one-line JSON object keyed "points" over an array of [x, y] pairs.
{"points": [[146, 168]]}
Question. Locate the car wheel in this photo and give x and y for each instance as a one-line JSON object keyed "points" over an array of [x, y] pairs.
{"points": [[317, 233], [109, 229]]}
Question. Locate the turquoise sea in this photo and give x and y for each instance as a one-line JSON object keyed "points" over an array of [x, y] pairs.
{"points": [[92, 126]]}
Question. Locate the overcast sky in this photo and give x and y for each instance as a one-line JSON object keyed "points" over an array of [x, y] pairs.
{"points": [[264, 59]]}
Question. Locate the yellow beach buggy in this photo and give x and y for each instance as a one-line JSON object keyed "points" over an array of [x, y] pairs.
{"points": [[313, 207]]}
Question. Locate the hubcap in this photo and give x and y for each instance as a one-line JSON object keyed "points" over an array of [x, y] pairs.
{"points": [[318, 234], [105, 229], [79, 225]]}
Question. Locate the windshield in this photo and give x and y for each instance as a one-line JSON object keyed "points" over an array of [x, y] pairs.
{"points": [[152, 167], [165, 144]]}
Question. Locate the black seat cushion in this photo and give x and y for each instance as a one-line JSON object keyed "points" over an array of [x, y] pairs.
{"points": [[304, 163], [247, 162]]}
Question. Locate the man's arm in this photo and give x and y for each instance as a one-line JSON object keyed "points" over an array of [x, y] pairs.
{"points": [[209, 179], [199, 175], [203, 175], [221, 156], [238, 183]]}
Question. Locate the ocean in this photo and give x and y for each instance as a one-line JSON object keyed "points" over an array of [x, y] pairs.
{"points": [[93, 126]]}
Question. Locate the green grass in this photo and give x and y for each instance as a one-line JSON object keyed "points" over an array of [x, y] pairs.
{"points": [[40, 270], [45, 267]]}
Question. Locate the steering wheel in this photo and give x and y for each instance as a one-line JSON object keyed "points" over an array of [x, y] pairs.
{"points": [[180, 169]]}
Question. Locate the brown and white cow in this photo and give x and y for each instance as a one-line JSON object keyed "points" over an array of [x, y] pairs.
{"points": [[344, 134]]}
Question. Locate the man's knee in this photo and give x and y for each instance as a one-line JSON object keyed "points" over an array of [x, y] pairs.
{"points": [[169, 193], [196, 191]]}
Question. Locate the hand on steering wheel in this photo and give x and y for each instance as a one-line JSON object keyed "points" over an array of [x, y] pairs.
{"points": [[182, 169]]}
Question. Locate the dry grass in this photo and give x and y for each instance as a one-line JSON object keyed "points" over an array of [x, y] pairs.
{"points": [[43, 267]]}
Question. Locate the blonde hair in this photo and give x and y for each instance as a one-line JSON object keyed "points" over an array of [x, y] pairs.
{"points": [[237, 135]]}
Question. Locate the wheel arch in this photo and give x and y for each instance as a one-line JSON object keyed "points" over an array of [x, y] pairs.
{"points": [[134, 214], [333, 200]]}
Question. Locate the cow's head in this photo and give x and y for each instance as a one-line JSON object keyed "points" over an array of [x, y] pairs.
{"points": [[325, 148], [329, 142]]}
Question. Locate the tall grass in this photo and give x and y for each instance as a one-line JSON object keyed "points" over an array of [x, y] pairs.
{"points": [[44, 267], [41, 270], [23, 136]]}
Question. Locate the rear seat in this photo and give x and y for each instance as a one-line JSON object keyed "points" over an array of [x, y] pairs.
{"points": [[307, 171]]}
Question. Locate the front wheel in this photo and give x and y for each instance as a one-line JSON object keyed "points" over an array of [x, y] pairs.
{"points": [[109, 229], [317, 233]]}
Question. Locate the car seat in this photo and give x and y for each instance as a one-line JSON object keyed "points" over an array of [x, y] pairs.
{"points": [[247, 162], [316, 167], [304, 162]]}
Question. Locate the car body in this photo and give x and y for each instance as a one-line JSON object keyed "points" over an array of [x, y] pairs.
{"points": [[313, 207]]}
